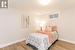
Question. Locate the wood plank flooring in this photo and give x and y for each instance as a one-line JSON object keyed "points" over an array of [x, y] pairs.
{"points": [[59, 45]]}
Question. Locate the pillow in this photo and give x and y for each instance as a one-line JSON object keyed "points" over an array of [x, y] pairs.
{"points": [[54, 28], [48, 29]]}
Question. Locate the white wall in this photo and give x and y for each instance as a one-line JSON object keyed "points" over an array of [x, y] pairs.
{"points": [[10, 26], [67, 25]]}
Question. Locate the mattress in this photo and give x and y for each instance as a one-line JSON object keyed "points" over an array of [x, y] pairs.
{"points": [[41, 41]]}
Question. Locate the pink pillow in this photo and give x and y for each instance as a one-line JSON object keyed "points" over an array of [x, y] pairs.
{"points": [[54, 28], [48, 29]]}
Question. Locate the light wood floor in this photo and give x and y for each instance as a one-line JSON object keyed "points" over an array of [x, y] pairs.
{"points": [[59, 45]]}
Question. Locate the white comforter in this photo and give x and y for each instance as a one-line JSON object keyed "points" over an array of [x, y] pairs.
{"points": [[41, 41]]}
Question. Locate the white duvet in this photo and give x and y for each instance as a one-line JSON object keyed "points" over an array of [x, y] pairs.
{"points": [[41, 41]]}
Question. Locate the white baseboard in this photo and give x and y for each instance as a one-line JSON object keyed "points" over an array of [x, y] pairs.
{"points": [[73, 42], [2, 46]]}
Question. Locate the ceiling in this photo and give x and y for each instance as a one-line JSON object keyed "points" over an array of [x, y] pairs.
{"points": [[34, 7]]}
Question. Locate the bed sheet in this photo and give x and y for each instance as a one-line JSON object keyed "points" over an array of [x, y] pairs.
{"points": [[41, 41]]}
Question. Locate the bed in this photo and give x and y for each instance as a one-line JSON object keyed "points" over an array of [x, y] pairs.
{"points": [[42, 41]]}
